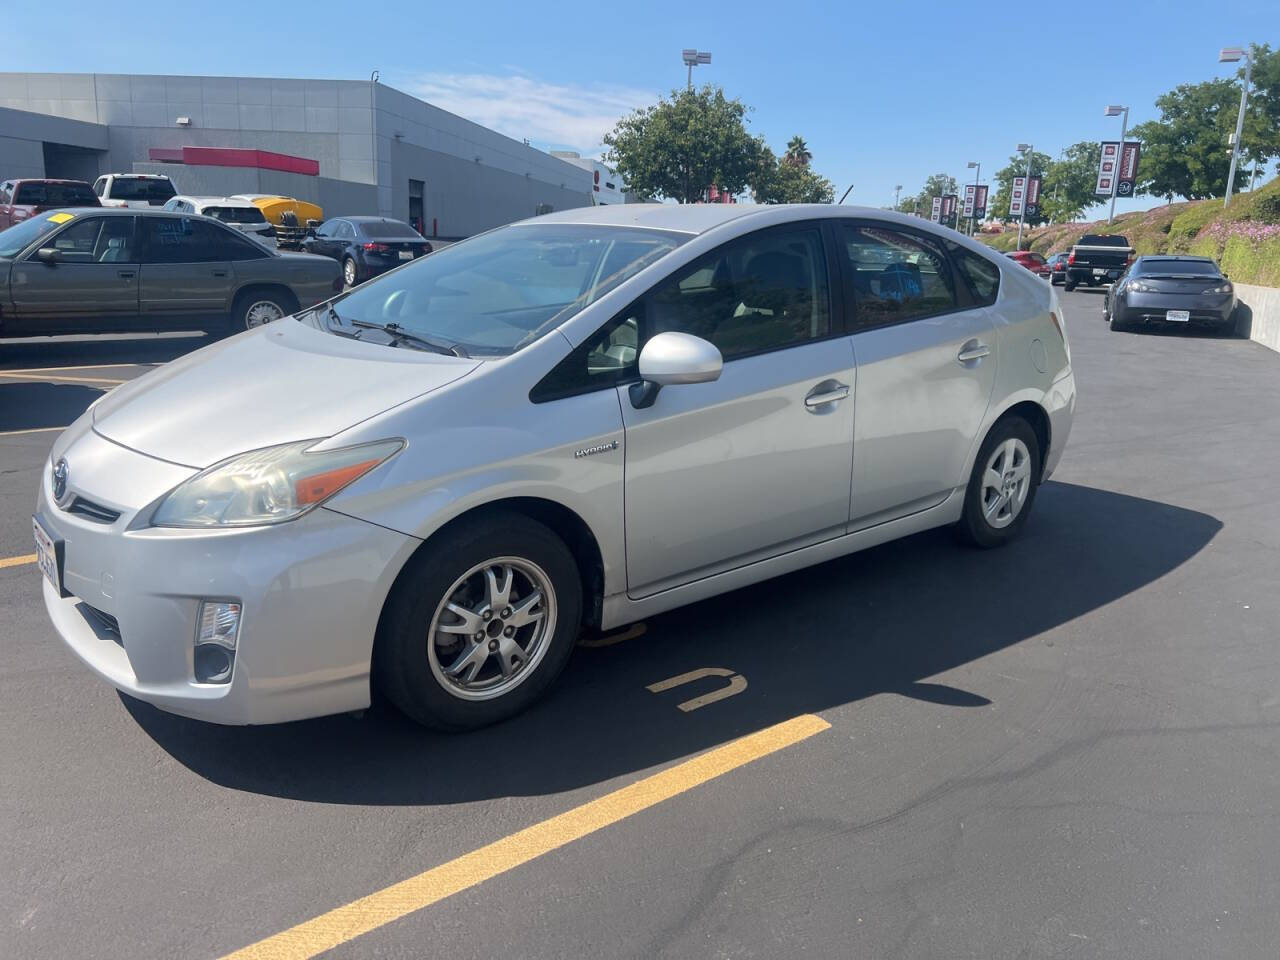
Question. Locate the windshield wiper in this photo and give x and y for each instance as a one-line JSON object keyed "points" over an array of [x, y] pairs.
{"points": [[401, 335]]}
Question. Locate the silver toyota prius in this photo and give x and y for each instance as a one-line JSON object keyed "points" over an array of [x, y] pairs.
{"points": [[433, 484]]}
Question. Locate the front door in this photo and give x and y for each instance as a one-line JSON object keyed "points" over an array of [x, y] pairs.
{"points": [[718, 475], [925, 348], [91, 287], [185, 274]]}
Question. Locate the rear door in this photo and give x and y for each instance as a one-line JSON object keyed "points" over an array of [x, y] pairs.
{"points": [[185, 274], [925, 349], [93, 286]]}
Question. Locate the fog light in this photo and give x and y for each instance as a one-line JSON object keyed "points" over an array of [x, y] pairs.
{"points": [[215, 646]]}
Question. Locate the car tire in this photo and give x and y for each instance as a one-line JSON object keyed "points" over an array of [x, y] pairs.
{"points": [[1116, 325], [1068, 285], [1002, 486], [256, 308], [350, 273], [427, 672]]}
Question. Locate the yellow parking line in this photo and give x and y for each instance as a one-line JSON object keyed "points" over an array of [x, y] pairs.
{"points": [[347, 922], [42, 376], [17, 561], [15, 433]]}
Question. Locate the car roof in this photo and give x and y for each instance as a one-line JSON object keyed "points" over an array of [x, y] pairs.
{"points": [[369, 219], [138, 176], [45, 180], [1176, 256], [215, 201]]}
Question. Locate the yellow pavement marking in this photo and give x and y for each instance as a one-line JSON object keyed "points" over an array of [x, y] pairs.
{"points": [[347, 922], [17, 561], [14, 433], [45, 376]]}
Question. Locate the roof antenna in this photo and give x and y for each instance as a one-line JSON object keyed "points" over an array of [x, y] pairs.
{"points": [[846, 193]]}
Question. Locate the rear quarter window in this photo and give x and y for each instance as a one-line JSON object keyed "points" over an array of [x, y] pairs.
{"points": [[979, 274]]}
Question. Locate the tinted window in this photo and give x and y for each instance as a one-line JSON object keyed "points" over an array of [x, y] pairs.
{"points": [[342, 230], [385, 229], [236, 246], [235, 214], [55, 194], [979, 274], [182, 240], [4, 193], [501, 290], [1200, 268], [1102, 240], [763, 292], [97, 240], [154, 192], [896, 275]]}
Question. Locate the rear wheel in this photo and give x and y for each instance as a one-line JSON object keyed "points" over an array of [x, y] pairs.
{"points": [[1068, 285], [1002, 487], [480, 623], [349, 275]]}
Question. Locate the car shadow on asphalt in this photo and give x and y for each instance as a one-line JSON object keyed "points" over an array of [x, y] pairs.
{"points": [[125, 350], [40, 406], [881, 621]]}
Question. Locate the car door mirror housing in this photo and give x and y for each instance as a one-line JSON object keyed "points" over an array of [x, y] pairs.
{"points": [[49, 255], [674, 358]]}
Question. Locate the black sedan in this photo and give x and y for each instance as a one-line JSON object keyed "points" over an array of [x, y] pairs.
{"points": [[365, 246], [1171, 289], [1058, 268]]}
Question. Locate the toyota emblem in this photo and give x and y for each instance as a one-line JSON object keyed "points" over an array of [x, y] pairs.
{"points": [[60, 472]]}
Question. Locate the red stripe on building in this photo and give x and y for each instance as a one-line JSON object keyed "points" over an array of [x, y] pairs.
{"points": [[236, 157]]}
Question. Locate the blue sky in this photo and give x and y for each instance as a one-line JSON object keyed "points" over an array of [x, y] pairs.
{"points": [[884, 93]]}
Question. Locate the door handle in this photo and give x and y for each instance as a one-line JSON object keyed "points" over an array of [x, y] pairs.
{"points": [[829, 391], [973, 350], [126, 274], [219, 273]]}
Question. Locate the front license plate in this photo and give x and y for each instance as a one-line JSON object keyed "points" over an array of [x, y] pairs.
{"points": [[1178, 316], [406, 254], [46, 554]]}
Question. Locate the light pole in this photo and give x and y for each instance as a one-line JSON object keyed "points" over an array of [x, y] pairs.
{"points": [[1232, 55], [973, 221], [693, 58], [897, 191], [1029, 150], [1115, 111]]}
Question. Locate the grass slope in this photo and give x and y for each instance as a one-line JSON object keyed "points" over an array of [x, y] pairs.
{"points": [[1244, 237]]}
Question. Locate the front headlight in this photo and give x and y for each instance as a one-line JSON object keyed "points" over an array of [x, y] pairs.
{"points": [[270, 485]]}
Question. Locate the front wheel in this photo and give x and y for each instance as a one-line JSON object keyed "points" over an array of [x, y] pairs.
{"points": [[1002, 487], [1068, 285], [480, 623], [257, 308]]}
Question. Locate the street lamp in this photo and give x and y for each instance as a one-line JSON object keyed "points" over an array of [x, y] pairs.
{"points": [[1234, 55], [973, 221], [897, 191], [1115, 111], [1029, 150], [693, 58]]}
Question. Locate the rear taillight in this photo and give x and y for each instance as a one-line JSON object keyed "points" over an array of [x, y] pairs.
{"points": [[1071, 259], [376, 247]]}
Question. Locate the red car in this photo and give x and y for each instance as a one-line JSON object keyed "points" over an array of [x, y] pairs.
{"points": [[21, 199], [1032, 261]]}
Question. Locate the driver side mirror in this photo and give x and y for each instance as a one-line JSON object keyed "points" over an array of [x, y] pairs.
{"points": [[49, 255], [673, 358]]}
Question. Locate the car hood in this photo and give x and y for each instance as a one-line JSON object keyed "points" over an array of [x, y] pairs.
{"points": [[280, 383]]}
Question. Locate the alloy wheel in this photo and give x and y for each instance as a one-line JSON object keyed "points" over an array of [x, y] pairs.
{"points": [[492, 628], [349, 273], [1006, 481], [262, 312]]}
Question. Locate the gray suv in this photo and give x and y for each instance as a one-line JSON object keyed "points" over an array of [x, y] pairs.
{"points": [[115, 271]]}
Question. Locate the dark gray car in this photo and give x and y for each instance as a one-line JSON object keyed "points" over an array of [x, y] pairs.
{"points": [[111, 271], [1172, 289]]}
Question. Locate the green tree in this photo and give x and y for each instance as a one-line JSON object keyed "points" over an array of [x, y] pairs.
{"points": [[1067, 191], [998, 206], [680, 146], [936, 185], [798, 152], [787, 181]]}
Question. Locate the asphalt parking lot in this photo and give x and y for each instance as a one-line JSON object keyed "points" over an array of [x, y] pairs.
{"points": [[1067, 748]]}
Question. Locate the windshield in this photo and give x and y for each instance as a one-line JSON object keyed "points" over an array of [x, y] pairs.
{"points": [[1200, 268], [16, 239], [236, 214], [384, 229], [55, 194], [499, 291]]}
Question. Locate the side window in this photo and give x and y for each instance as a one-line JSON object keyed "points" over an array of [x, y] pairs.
{"points": [[344, 231], [325, 229], [181, 240], [896, 275], [607, 358], [979, 274], [761, 292], [236, 246], [97, 240], [4, 193], [99, 185]]}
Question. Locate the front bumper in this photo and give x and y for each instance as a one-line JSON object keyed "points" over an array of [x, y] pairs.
{"points": [[311, 589]]}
